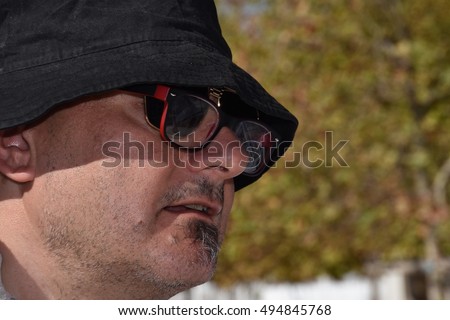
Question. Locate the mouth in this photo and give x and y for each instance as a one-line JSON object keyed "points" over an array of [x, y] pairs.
{"points": [[205, 209]]}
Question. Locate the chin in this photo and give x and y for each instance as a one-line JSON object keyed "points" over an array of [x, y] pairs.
{"points": [[197, 269]]}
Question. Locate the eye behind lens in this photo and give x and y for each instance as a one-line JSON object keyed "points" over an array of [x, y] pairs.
{"points": [[190, 121]]}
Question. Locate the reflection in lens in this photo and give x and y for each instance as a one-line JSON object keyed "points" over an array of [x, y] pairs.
{"points": [[190, 121], [256, 143], [254, 154]]}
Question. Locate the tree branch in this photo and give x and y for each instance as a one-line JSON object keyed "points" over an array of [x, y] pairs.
{"points": [[440, 181]]}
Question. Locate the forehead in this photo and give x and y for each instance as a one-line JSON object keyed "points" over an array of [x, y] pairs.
{"points": [[92, 108]]}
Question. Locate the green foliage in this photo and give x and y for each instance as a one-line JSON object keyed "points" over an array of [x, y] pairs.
{"points": [[374, 72]]}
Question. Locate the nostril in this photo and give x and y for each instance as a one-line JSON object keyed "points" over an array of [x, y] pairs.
{"points": [[223, 169]]}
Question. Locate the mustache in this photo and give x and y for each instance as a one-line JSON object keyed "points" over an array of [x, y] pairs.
{"points": [[197, 187]]}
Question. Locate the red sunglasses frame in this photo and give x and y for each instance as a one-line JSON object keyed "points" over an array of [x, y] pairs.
{"points": [[161, 94]]}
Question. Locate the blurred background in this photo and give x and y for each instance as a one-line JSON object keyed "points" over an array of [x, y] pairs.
{"points": [[358, 207]]}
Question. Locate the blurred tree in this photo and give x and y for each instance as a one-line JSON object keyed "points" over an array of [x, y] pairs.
{"points": [[375, 73]]}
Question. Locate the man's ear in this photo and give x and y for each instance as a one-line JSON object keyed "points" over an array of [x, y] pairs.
{"points": [[16, 162]]}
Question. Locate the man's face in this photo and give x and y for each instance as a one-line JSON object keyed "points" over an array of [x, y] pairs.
{"points": [[147, 223]]}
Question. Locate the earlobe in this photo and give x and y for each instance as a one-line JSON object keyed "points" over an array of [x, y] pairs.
{"points": [[15, 156]]}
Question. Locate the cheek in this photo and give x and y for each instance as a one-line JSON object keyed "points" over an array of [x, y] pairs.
{"points": [[91, 199], [126, 198]]}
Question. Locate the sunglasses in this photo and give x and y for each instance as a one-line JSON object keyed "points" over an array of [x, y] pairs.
{"points": [[191, 118]]}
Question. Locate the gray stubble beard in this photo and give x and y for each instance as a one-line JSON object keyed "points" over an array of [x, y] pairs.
{"points": [[206, 236]]}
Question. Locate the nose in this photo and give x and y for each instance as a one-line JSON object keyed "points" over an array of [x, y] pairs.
{"points": [[222, 156]]}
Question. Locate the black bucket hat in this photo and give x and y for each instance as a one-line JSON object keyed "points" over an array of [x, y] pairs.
{"points": [[54, 51]]}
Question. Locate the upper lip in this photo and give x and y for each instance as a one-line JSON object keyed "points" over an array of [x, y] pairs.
{"points": [[210, 208]]}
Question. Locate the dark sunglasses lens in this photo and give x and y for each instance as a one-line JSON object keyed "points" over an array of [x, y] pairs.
{"points": [[256, 145], [190, 121]]}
